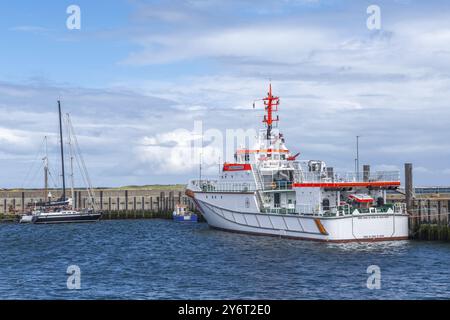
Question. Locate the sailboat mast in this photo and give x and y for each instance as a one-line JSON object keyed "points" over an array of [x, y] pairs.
{"points": [[62, 152], [69, 140]]}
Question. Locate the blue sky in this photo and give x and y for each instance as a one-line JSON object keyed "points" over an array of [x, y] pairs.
{"points": [[139, 71]]}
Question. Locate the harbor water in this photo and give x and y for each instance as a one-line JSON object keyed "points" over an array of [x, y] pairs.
{"points": [[162, 259]]}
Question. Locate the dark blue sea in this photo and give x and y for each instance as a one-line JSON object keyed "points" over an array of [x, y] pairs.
{"points": [[159, 259]]}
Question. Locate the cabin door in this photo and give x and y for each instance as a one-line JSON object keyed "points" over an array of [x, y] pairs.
{"points": [[276, 200]]}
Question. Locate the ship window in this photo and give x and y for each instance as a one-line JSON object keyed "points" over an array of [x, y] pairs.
{"points": [[326, 204], [247, 202]]}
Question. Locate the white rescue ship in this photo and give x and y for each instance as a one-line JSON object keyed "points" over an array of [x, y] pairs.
{"points": [[267, 191]]}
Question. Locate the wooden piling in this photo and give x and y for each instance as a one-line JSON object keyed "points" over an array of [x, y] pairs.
{"points": [[408, 186], [429, 210], [23, 202]]}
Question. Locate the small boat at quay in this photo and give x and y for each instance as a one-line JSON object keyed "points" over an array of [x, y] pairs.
{"points": [[182, 214], [267, 191], [63, 209], [65, 216]]}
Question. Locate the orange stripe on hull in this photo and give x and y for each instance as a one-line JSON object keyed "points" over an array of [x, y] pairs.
{"points": [[321, 227]]}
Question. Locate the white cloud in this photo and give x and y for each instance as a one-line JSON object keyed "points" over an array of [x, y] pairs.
{"points": [[386, 167], [335, 80], [273, 43], [176, 152], [422, 170], [15, 137]]}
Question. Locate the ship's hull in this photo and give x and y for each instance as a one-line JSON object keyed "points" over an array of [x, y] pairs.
{"points": [[66, 218], [185, 218], [351, 228], [26, 219]]}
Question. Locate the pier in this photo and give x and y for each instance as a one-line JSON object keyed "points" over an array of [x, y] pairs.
{"points": [[133, 203], [429, 207]]}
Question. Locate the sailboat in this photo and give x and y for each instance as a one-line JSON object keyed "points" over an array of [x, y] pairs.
{"points": [[63, 210]]}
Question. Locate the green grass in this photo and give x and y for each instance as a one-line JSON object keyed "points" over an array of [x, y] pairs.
{"points": [[162, 187], [153, 187]]}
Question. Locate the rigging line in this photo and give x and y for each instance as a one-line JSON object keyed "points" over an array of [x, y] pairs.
{"points": [[86, 175], [55, 185], [81, 163], [34, 178], [25, 181], [71, 155]]}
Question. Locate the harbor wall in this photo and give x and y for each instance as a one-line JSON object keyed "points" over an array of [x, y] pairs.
{"points": [[429, 213], [429, 216], [113, 202]]}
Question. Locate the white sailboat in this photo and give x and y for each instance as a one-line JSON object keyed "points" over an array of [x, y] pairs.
{"points": [[63, 210]]}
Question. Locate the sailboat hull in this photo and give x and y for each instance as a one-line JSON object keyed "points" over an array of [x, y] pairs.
{"points": [[66, 218]]}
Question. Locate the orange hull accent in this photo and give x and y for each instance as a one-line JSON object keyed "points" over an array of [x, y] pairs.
{"points": [[321, 227]]}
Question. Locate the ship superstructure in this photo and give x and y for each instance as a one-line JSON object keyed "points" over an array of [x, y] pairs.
{"points": [[266, 190]]}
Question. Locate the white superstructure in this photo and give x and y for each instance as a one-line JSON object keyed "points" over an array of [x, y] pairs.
{"points": [[267, 191]]}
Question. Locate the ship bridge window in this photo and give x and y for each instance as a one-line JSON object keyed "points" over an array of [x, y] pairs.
{"points": [[380, 201]]}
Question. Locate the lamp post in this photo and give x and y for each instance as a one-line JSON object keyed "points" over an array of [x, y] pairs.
{"points": [[357, 157]]}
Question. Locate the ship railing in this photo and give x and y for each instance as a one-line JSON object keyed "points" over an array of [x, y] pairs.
{"points": [[276, 164], [347, 209], [277, 185], [307, 209], [216, 186], [279, 211], [316, 177]]}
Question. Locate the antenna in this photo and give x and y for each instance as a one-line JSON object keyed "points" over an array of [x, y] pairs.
{"points": [[271, 105], [357, 157], [201, 160]]}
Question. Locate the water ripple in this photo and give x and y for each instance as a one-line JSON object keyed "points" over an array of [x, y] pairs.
{"points": [[158, 259]]}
